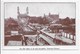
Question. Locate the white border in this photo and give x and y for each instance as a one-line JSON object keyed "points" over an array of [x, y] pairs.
{"points": [[61, 47]]}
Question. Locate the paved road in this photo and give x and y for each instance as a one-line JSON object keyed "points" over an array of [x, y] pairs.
{"points": [[47, 39]]}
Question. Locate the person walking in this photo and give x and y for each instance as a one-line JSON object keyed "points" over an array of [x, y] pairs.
{"points": [[24, 40]]}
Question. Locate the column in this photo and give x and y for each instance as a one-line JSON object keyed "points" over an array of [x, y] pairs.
{"points": [[66, 35], [73, 37], [69, 36]]}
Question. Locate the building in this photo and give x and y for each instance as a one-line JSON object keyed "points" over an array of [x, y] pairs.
{"points": [[52, 17], [11, 25], [23, 17]]}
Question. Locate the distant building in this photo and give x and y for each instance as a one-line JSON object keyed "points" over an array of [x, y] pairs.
{"points": [[11, 25], [52, 17], [23, 17]]}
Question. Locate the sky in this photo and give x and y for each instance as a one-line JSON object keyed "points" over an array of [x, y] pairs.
{"points": [[40, 8]]}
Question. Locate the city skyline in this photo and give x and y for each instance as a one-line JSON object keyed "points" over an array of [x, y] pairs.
{"points": [[39, 9]]}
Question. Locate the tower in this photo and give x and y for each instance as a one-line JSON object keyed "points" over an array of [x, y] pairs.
{"points": [[27, 11], [49, 13], [18, 10], [44, 15]]}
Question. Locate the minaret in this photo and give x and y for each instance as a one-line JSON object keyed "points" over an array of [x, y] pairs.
{"points": [[44, 15], [49, 13], [27, 11], [18, 10]]}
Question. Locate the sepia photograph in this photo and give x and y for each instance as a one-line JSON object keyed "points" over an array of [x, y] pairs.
{"points": [[39, 23]]}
